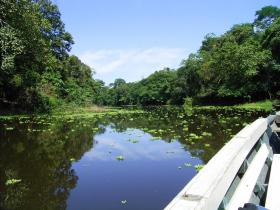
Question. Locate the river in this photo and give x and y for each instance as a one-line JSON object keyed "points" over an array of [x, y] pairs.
{"points": [[114, 161]]}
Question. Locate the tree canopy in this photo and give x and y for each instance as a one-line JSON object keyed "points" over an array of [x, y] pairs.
{"points": [[36, 70], [242, 64], [38, 73], [266, 16]]}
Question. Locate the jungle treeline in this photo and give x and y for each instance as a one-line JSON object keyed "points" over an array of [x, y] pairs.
{"points": [[38, 73]]}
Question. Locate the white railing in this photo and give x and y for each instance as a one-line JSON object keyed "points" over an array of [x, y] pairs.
{"points": [[209, 188]]}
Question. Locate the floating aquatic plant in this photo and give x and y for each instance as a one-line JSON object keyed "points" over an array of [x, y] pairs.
{"points": [[12, 181], [198, 167], [120, 157], [155, 138], [245, 124], [188, 164], [124, 202], [134, 141]]}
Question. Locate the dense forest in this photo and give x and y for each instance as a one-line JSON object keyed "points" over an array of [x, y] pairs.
{"points": [[38, 73]]}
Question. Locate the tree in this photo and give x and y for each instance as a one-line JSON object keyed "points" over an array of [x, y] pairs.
{"points": [[266, 16], [118, 82], [271, 42], [271, 39], [236, 59], [157, 88], [188, 76], [34, 48], [54, 29]]}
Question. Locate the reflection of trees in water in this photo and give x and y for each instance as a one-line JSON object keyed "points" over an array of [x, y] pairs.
{"points": [[42, 160], [170, 122]]}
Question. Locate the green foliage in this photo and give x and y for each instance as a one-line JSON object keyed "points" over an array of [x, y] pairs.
{"points": [[188, 106], [238, 66], [157, 88], [271, 39], [266, 16], [188, 82], [38, 74], [36, 71], [261, 105], [235, 59], [10, 46]]}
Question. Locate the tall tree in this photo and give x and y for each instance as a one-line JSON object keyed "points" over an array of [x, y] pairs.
{"points": [[54, 29], [188, 81], [271, 39], [236, 59], [266, 16]]}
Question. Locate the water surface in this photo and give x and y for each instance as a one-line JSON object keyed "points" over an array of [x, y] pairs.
{"points": [[111, 161]]}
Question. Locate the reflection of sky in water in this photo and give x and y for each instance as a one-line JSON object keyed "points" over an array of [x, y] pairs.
{"points": [[150, 175], [111, 144]]}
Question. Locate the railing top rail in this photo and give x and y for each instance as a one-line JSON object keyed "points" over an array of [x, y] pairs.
{"points": [[271, 119], [218, 174]]}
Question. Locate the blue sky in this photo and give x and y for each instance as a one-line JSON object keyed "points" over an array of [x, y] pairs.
{"points": [[130, 39]]}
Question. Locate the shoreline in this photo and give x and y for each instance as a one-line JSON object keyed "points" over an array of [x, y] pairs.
{"points": [[75, 111]]}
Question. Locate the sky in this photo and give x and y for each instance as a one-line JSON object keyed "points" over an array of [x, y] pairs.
{"points": [[131, 39]]}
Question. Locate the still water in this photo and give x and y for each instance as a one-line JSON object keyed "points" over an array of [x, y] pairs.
{"points": [[113, 161]]}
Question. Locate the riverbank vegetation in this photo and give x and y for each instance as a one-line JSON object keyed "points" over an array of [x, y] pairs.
{"points": [[38, 73], [241, 65], [265, 106]]}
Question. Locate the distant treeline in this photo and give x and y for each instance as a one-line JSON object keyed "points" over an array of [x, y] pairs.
{"points": [[241, 65], [38, 74]]}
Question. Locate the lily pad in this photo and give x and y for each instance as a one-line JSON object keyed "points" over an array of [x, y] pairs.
{"points": [[124, 202], [12, 181], [198, 167], [188, 164], [120, 157]]}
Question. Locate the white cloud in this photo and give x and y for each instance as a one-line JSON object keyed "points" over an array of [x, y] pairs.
{"points": [[131, 64]]}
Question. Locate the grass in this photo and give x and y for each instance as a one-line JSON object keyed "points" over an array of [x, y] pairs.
{"points": [[72, 108], [266, 105]]}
